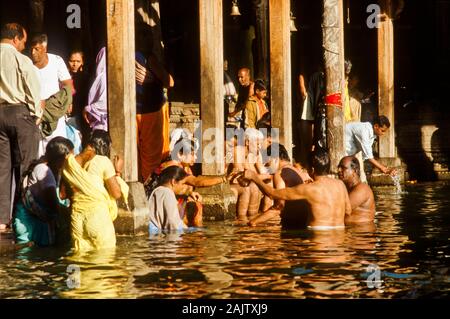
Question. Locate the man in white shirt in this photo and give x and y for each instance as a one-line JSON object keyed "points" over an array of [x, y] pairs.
{"points": [[359, 137], [53, 74]]}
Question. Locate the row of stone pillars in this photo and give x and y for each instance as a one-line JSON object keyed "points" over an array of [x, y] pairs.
{"points": [[121, 83]]}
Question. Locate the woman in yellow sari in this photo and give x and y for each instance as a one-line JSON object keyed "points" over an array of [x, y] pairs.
{"points": [[95, 187]]}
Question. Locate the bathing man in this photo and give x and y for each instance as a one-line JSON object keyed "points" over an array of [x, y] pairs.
{"points": [[360, 194], [327, 197]]}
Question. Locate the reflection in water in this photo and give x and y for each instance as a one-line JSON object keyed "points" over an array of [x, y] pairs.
{"points": [[408, 243]]}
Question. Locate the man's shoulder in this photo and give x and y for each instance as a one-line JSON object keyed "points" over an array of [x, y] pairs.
{"points": [[363, 187], [54, 57]]}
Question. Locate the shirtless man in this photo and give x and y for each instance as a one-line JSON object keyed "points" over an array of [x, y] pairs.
{"points": [[285, 175], [245, 155], [327, 197], [360, 194]]}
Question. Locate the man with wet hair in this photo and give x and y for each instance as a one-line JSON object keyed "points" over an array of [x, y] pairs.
{"points": [[20, 111], [327, 197], [360, 194]]}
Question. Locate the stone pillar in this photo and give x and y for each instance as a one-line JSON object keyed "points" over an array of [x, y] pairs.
{"points": [[37, 8], [261, 44], [387, 147], [218, 201], [122, 108], [333, 44], [211, 86], [280, 70]]}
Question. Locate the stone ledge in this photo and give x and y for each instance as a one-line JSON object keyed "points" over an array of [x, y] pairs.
{"points": [[219, 203], [133, 221]]}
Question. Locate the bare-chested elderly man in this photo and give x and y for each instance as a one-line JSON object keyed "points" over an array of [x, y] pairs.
{"points": [[327, 197], [360, 194]]}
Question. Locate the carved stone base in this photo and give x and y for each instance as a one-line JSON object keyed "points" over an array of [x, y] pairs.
{"points": [[219, 203], [135, 220]]}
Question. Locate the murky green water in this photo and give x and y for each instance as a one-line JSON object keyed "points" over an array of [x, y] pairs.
{"points": [[409, 244]]}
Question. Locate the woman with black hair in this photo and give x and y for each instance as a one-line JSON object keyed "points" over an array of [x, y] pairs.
{"points": [[164, 214], [36, 212]]}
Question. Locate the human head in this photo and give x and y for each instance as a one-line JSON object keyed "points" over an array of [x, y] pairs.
{"points": [[101, 142], [171, 176], [39, 47], [349, 170], [264, 121], [260, 89], [321, 162], [244, 76], [381, 125], [57, 150], [185, 150], [276, 153], [348, 67], [76, 61], [253, 140], [14, 34], [266, 130]]}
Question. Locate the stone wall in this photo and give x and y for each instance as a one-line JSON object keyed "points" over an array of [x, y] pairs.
{"points": [[184, 115], [423, 141]]}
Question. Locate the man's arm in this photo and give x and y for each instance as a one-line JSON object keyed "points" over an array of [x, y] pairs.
{"points": [[382, 168], [357, 198], [290, 193], [348, 205], [203, 181]]}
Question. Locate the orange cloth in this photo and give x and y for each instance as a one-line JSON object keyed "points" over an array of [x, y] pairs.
{"points": [[166, 133], [150, 142]]}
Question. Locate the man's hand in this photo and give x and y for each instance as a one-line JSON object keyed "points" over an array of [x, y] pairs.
{"points": [[118, 164], [196, 196], [250, 175], [142, 74], [390, 171]]}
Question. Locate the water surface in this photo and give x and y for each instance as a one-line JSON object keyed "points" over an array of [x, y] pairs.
{"points": [[408, 247]]}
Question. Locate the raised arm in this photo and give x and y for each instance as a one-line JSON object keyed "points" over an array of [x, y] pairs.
{"points": [[203, 181], [290, 193]]}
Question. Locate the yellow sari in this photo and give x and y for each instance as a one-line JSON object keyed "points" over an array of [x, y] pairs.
{"points": [[93, 210]]}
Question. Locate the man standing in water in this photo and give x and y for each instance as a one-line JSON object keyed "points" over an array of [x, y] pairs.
{"points": [[360, 194], [327, 197]]}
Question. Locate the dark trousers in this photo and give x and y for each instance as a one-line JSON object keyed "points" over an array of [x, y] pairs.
{"points": [[19, 142]]}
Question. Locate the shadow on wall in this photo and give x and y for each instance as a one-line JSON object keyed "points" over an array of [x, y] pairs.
{"points": [[414, 124], [440, 146]]}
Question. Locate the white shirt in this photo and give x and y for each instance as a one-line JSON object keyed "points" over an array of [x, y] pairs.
{"points": [[40, 179], [50, 76], [164, 214], [359, 137], [54, 72]]}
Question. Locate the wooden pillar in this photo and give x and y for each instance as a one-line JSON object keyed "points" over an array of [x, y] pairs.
{"points": [[386, 77], [211, 86], [121, 83], [280, 70], [333, 45]]}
